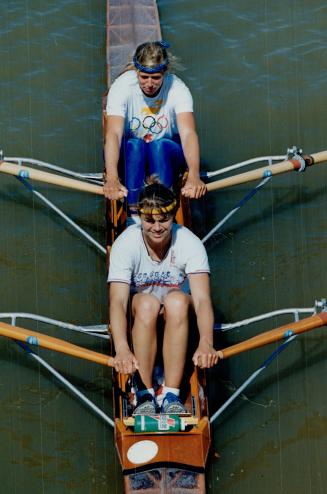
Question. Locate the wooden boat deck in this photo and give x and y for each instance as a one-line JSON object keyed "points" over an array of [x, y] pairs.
{"points": [[129, 23]]}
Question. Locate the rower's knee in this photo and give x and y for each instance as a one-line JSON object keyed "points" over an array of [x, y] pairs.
{"points": [[146, 307], [176, 305]]}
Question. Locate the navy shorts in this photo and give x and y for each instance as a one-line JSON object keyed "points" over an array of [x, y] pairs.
{"points": [[139, 159]]}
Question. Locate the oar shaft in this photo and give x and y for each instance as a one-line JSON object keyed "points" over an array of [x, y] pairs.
{"points": [[39, 339], [49, 178], [259, 173], [280, 333]]}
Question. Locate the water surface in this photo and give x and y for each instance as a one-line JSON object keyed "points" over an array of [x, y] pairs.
{"points": [[257, 71]]}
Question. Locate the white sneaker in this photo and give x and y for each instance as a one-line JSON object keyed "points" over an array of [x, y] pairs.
{"points": [[146, 405], [173, 405]]}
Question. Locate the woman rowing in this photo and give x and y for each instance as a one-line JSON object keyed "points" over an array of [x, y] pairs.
{"points": [[150, 128], [166, 268]]}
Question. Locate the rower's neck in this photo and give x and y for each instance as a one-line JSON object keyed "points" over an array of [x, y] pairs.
{"points": [[157, 252]]}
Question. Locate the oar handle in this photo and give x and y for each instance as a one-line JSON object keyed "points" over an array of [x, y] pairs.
{"points": [[49, 178], [280, 333], [39, 339], [266, 171]]}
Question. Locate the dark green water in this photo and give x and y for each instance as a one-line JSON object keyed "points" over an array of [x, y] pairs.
{"points": [[257, 74]]}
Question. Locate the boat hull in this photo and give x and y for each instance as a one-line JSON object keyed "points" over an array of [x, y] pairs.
{"points": [[165, 462], [187, 450], [165, 481]]}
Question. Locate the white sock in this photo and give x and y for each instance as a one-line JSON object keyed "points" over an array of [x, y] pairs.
{"points": [[167, 389]]}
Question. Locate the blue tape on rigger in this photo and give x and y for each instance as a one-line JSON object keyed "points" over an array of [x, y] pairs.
{"points": [[24, 174], [32, 340]]}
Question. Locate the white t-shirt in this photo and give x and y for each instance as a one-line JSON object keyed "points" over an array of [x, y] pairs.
{"points": [[149, 118], [130, 262]]}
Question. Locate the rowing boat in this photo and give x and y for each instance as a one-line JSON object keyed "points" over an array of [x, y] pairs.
{"points": [[159, 453]]}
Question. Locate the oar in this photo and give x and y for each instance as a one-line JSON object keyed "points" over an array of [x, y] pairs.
{"points": [[49, 178], [266, 171], [39, 339], [52, 178], [277, 334]]}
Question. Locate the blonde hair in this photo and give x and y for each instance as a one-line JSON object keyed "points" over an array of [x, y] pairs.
{"points": [[153, 54]]}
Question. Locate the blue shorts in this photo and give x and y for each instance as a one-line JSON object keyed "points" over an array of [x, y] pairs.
{"points": [[139, 159]]}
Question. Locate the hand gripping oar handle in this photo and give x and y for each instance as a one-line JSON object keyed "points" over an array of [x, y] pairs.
{"points": [[266, 171], [280, 333], [39, 339], [49, 178]]}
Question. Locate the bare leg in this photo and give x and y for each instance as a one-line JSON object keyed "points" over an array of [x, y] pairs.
{"points": [[176, 306], [145, 308]]}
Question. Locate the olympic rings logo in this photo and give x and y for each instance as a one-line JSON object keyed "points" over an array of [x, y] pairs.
{"points": [[150, 123]]}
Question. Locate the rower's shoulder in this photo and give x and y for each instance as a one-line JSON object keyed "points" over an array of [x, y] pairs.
{"points": [[128, 237], [185, 233], [126, 79]]}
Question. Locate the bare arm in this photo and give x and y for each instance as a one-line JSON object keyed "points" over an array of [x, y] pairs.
{"points": [[194, 187], [113, 189], [205, 355], [124, 360]]}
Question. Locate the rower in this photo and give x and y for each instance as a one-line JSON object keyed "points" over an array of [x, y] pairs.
{"points": [[150, 128], [165, 268]]}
